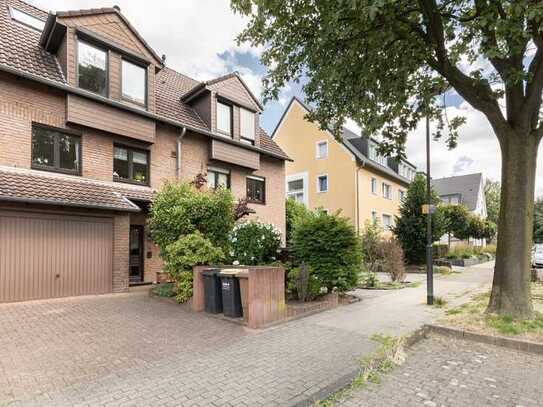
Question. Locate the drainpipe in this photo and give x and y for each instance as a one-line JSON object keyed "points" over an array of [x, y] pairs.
{"points": [[178, 151]]}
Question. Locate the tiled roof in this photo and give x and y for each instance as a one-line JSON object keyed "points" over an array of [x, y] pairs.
{"points": [[20, 50], [19, 47], [466, 186], [41, 187]]}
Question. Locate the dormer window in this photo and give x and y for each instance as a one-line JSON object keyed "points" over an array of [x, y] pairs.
{"points": [[91, 68], [134, 83], [26, 19], [224, 119], [247, 126]]}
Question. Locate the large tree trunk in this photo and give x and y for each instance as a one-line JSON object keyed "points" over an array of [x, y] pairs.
{"points": [[511, 286]]}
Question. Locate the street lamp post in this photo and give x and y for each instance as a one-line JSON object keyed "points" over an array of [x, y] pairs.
{"points": [[429, 268]]}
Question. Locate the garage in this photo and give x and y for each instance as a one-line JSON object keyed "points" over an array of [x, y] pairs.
{"points": [[47, 256]]}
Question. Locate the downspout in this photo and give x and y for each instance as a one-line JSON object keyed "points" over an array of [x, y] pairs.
{"points": [[178, 151]]}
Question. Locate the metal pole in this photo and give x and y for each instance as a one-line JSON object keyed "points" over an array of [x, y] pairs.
{"points": [[429, 268]]}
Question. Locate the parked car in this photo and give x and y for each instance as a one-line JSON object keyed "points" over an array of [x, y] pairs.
{"points": [[537, 255]]}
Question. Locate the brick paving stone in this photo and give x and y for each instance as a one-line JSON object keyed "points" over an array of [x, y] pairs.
{"points": [[133, 350], [444, 372]]}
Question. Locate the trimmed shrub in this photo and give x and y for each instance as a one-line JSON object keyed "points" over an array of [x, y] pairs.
{"points": [[330, 246], [181, 209], [181, 256], [302, 283], [254, 243]]}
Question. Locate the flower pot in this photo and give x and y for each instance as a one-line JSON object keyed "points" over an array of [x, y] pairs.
{"points": [[163, 277]]}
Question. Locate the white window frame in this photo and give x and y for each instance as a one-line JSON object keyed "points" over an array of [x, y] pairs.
{"points": [[221, 132], [319, 184], [248, 137], [374, 216], [295, 177], [32, 22], [383, 184], [390, 225], [401, 194], [373, 183], [317, 151]]}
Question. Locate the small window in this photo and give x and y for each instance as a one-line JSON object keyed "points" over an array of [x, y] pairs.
{"points": [[375, 156], [131, 165], [322, 183], [27, 19], [256, 190], [295, 190], [55, 151], [322, 149], [218, 178], [374, 185], [134, 83], [247, 126], [387, 222], [401, 195], [374, 218], [224, 118], [387, 191], [92, 68]]}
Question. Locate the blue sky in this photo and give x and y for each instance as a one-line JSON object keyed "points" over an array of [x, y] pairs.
{"points": [[198, 38]]}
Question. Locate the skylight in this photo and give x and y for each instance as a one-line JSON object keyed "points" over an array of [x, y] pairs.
{"points": [[26, 19]]}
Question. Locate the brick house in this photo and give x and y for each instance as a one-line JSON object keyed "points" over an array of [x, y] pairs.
{"points": [[92, 124]]}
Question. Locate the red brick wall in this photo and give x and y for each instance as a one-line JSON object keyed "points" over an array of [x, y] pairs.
{"points": [[121, 230]]}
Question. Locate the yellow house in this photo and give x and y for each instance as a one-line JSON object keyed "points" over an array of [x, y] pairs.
{"points": [[346, 175]]}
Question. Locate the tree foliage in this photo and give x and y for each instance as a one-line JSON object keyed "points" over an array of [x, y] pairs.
{"points": [[492, 198], [410, 226], [538, 221], [295, 212], [254, 243]]}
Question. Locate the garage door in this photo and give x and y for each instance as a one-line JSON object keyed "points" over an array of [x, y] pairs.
{"points": [[45, 256]]}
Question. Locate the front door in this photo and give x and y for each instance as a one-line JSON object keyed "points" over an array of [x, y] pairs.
{"points": [[136, 254]]}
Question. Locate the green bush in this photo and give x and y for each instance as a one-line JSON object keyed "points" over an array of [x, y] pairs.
{"points": [[180, 209], [330, 246], [370, 240], [164, 290], [254, 243], [302, 284], [295, 212], [181, 256]]}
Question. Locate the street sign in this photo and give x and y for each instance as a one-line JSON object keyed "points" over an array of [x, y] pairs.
{"points": [[426, 209]]}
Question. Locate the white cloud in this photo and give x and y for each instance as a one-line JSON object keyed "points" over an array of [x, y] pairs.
{"points": [[192, 33]]}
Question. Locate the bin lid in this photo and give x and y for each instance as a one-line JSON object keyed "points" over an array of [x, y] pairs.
{"points": [[211, 272], [232, 272]]}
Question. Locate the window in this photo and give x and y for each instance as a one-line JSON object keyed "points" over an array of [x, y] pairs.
{"points": [[387, 191], [401, 195], [218, 178], [375, 156], [26, 19], [322, 183], [55, 150], [451, 199], [374, 186], [131, 165], [247, 126], [224, 118], [256, 189], [406, 171], [134, 83], [387, 221], [322, 149], [91, 68], [295, 190], [374, 218]]}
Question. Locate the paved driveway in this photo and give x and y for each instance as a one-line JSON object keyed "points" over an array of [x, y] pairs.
{"points": [[129, 349]]}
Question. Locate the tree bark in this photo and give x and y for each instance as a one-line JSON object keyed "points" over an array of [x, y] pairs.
{"points": [[511, 294]]}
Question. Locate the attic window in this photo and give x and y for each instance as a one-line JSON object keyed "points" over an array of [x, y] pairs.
{"points": [[26, 19]]}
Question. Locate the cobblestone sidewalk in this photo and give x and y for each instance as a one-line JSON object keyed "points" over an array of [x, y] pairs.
{"points": [[448, 372]]}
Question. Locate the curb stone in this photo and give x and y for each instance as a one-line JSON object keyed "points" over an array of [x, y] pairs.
{"points": [[505, 342], [346, 380]]}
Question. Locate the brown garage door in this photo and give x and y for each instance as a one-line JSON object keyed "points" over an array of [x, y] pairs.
{"points": [[46, 256]]}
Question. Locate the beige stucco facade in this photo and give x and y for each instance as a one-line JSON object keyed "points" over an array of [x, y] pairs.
{"points": [[349, 180]]}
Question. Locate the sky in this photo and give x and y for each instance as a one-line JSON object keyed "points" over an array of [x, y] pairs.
{"points": [[198, 39]]}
